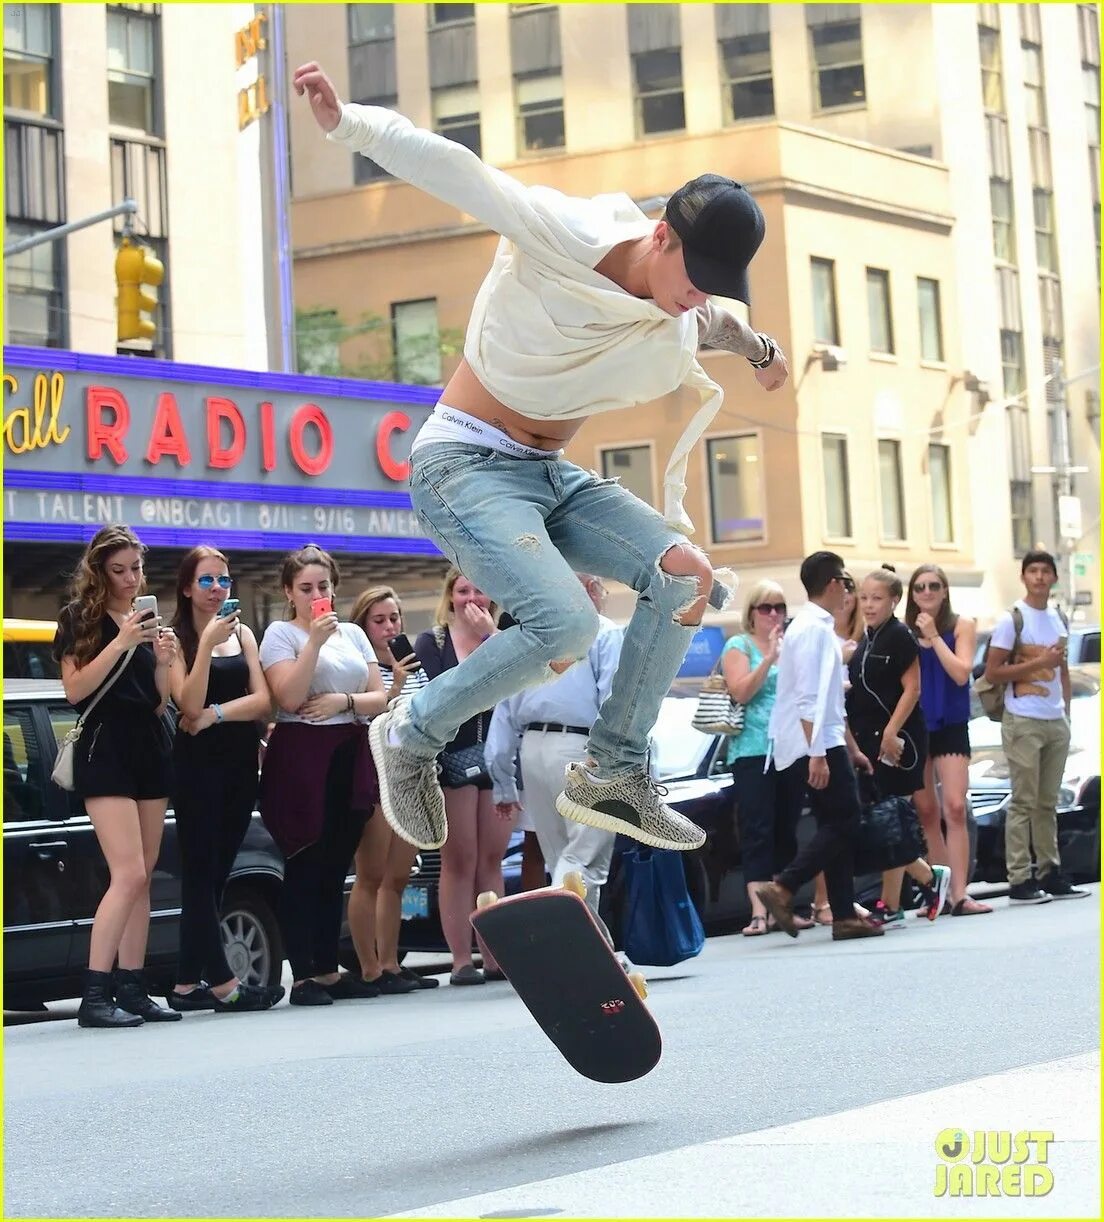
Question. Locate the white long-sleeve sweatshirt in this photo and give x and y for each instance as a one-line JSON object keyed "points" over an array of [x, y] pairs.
{"points": [[549, 336]]}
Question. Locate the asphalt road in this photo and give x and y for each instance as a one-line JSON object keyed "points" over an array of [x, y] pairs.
{"points": [[376, 1107]]}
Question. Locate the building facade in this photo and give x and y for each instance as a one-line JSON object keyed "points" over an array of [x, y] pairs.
{"points": [[929, 175], [188, 437]]}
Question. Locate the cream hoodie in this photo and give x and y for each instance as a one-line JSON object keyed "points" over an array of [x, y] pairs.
{"points": [[549, 336]]}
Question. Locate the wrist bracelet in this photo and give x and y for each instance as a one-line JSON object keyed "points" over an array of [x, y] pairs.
{"points": [[349, 707], [770, 354], [218, 711]]}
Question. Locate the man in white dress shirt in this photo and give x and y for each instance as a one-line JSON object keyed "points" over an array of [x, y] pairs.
{"points": [[809, 735], [551, 724]]}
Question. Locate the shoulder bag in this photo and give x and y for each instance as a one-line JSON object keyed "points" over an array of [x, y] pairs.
{"points": [[62, 775], [465, 765], [717, 712]]}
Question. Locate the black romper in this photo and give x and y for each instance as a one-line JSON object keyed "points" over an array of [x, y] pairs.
{"points": [[875, 670], [125, 748]]}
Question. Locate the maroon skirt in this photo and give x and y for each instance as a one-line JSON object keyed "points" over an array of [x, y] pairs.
{"points": [[293, 780]]}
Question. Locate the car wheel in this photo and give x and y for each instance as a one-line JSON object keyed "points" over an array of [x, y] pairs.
{"points": [[251, 937]]}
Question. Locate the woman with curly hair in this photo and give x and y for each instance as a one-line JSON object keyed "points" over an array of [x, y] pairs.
{"points": [[122, 764]]}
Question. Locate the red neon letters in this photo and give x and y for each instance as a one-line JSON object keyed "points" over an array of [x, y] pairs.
{"points": [[309, 435]]}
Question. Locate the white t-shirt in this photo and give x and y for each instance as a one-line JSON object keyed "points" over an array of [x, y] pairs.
{"points": [[1040, 695], [343, 663]]}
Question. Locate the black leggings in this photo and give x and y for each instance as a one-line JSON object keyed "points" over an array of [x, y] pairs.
{"points": [[311, 901], [214, 803]]}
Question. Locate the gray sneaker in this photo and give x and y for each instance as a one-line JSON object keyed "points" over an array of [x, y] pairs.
{"points": [[410, 795], [631, 804]]}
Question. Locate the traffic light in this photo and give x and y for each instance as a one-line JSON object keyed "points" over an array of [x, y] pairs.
{"points": [[136, 266]]}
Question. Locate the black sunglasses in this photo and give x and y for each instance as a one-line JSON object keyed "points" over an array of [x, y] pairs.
{"points": [[767, 608], [933, 586], [847, 583]]}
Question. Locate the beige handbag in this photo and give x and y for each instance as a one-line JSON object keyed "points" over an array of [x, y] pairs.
{"points": [[62, 775]]}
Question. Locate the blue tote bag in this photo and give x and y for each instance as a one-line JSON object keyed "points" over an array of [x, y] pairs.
{"points": [[661, 925]]}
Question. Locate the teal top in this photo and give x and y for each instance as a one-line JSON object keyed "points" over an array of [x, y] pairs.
{"points": [[753, 740]]}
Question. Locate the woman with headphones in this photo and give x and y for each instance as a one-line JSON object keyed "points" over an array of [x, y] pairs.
{"points": [[883, 711]]}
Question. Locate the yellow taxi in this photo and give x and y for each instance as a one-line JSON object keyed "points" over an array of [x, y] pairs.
{"points": [[28, 645]]}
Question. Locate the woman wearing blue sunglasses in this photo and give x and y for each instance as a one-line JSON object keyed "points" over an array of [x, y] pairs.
{"points": [[220, 690]]}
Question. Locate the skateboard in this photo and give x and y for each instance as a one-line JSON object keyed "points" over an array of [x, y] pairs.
{"points": [[561, 966]]}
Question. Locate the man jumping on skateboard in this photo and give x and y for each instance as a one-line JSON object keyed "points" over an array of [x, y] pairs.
{"points": [[588, 307]]}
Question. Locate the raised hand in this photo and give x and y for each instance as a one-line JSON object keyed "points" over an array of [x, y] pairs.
{"points": [[324, 102]]}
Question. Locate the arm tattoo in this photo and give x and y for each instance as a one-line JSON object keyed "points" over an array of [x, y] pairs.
{"points": [[719, 329]]}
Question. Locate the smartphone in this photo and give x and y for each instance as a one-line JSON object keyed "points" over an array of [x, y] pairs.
{"points": [[401, 648], [231, 606], [888, 762], [147, 603], [320, 607]]}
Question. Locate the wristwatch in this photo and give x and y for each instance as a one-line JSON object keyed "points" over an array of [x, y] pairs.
{"points": [[772, 350]]}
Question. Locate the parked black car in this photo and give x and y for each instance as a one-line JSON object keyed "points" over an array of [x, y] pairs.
{"points": [[55, 874], [692, 768]]}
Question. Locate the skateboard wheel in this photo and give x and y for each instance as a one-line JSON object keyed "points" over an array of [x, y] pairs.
{"points": [[485, 899], [636, 979], [573, 882]]}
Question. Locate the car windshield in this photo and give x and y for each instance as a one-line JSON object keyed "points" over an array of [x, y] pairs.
{"points": [[677, 748]]}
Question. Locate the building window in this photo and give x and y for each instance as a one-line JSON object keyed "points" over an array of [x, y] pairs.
{"points": [[371, 22], [29, 58], [1004, 236], [992, 86], [1019, 470], [1046, 252], [939, 473], [1023, 517], [35, 306], [837, 487], [1012, 363], [416, 340], [931, 319], [736, 489], [1089, 32], [748, 84], [450, 14], [892, 489], [881, 316], [657, 82], [139, 171], [837, 54], [131, 70], [540, 112], [632, 465], [364, 168], [825, 317], [1050, 309], [456, 115]]}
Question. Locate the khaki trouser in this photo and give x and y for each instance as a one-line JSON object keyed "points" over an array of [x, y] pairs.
{"points": [[1036, 753]]}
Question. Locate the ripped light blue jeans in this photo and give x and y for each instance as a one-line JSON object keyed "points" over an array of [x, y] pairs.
{"points": [[520, 529]]}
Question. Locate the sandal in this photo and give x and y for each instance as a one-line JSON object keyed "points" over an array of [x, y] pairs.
{"points": [[755, 927], [975, 909], [802, 922], [820, 908]]}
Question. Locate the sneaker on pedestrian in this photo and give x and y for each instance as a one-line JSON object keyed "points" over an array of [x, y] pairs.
{"points": [[855, 927], [468, 974], [935, 892], [199, 998], [630, 803], [882, 915], [1028, 892], [423, 982], [410, 794], [779, 903], [309, 993], [348, 987], [1058, 887], [247, 998], [390, 984]]}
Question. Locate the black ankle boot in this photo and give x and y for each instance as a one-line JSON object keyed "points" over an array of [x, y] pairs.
{"points": [[131, 996], [98, 1008]]}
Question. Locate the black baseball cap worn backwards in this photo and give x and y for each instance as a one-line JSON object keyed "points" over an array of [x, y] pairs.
{"points": [[721, 227]]}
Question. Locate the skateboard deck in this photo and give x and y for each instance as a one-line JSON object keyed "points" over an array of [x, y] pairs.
{"points": [[553, 953]]}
